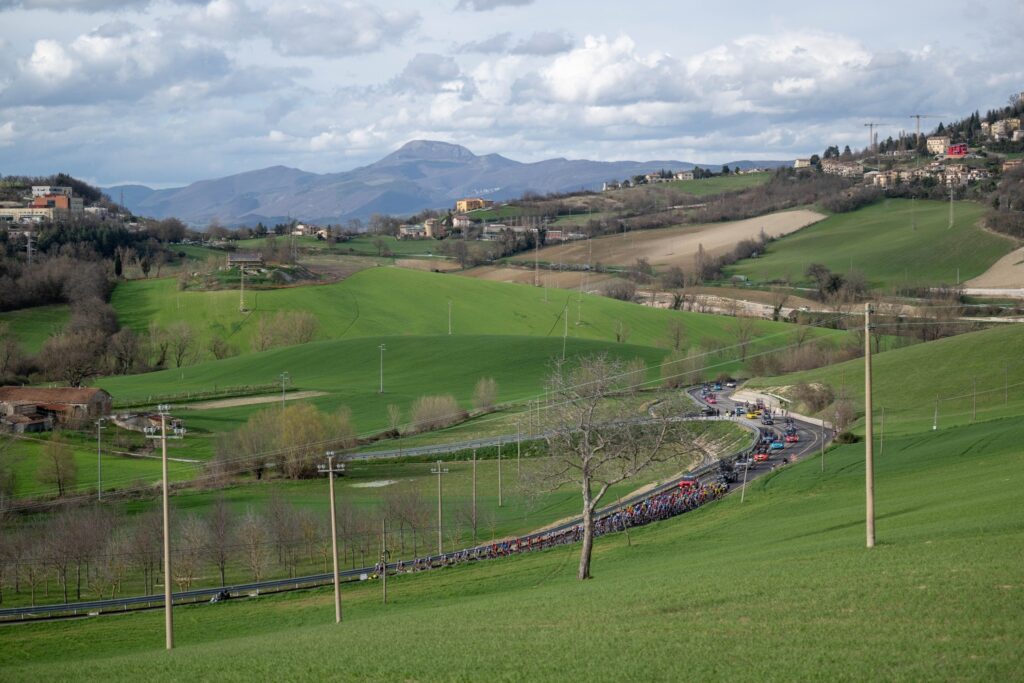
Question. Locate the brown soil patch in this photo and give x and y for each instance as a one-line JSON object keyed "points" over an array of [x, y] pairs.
{"points": [[429, 265], [251, 400], [1007, 272], [548, 278], [678, 246]]}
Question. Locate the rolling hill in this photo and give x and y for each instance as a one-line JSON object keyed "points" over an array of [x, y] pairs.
{"points": [[421, 174]]}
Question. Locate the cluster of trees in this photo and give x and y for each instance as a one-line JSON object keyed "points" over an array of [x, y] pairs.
{"points": [[289, 439], [85, 552], [834, 287], [1007, 214], [285, 328]]}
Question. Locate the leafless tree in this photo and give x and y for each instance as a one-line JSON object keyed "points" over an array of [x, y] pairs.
{"points": [[394, 419], [743, 332], [676, 335], [145, 546], [189, 550], [779, 299], [57, 465], [72, 357], [485, 394], [590, 445], [253, 538], [181, 342], [125, 351]]}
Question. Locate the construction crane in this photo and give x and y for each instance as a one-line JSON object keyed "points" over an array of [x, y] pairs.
{"points": [[917, 136]]}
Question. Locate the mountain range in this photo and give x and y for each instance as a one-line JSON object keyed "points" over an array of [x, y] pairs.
{"points": [[422, 174]]}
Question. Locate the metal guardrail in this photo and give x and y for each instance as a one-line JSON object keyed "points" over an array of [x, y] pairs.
{"points": [[316, 580]]}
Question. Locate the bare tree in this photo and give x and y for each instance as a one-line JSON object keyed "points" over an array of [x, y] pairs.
{"points": [[743, 332], [145, 546], [181, 342], [72, 357], [485, 394], [57, 465], [590, 445], [676, 335], [779, 299], [220, 535], [394, 419], [189, 550], [253, 538]]}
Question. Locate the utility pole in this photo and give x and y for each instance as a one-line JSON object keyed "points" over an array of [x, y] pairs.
{"points": [[474, 496], [382, 350], [99, 461], [881, 434], [1006, 384], [743, 491], [283, 377], [384, 558], [439, 471], [974, 399], [28, 247], [330, 471], [822, 439], [869, 455], [499, 473], [950, 206], [241, 298], [449, 317], [935, 420], [565, 332], [871, 137], [179, 432], [519, 451]]}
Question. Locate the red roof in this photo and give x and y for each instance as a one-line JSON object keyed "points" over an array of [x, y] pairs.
{"points": [[80, 395]]}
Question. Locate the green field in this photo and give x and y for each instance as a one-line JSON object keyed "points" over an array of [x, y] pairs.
{"points": [[880, 241], [32, 326], [907, 381], [397, 301], [777, 588], [496, 213], [718, 184]]}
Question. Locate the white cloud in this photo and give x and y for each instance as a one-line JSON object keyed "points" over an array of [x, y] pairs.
{"points": [[7, 135], [49, 62], [543, 43], [346, 28], [82, 5], [488, 5]]}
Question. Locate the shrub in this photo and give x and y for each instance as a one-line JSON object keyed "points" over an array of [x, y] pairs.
{"points": [[435, 412], [815, 396], [623, 290], [485, 394]]}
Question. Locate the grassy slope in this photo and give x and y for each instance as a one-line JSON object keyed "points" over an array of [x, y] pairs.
{"points": [[879, 241], [906, 381], [31, 326], [779, 588], [718, 184], [397, 301], [348, 371]]}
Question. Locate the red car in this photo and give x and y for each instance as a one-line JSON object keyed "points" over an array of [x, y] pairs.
{"points": [[792, 438], [712, 400], [688, 482], [760, 457]]}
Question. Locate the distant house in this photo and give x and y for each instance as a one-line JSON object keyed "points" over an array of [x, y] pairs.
{"points": [[937, 144], [846, 169], [461, 221], [33, 409], [684, 175], [472, 204], [434, 228], [411, 232], [1012, 163], [244, 258], [802, 163]]}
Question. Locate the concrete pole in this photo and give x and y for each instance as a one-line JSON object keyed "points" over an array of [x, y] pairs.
{"points": [[384, 558], [822, 439], [743, 491], [869, 455], [499, 474], [474, 496], [440, 540], [334, 541], [99, 460], [168, 598], [519, 450], [974, 399]]}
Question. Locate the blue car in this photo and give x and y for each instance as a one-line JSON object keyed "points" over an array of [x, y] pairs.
{"points": [[778, 445]]}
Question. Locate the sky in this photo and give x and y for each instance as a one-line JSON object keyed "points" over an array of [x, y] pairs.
{"points": [[168, 92]]}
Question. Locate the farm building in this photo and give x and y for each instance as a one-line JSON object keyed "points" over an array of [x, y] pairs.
{"points": [[36, 409]]}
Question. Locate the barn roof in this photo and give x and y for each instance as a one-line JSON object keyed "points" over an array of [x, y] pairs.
{"points": [[48, 395]]}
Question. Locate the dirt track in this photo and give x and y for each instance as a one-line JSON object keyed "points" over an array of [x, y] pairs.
{"points": [[250, 400], [1007, 272], [677, 246], [548, 278]]}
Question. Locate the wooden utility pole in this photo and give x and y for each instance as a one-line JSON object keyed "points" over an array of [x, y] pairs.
{"points": [[822, 435], [869, 455], [499, 473], [440, 539], [330, 471]]}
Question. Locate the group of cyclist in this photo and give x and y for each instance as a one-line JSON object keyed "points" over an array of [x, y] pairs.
{"points": [[658, 507]]}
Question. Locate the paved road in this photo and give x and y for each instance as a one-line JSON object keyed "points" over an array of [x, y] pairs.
{"points": [[810, 441]]}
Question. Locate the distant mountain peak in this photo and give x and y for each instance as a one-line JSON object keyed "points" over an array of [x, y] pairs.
{"points": [[431, 150]]}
